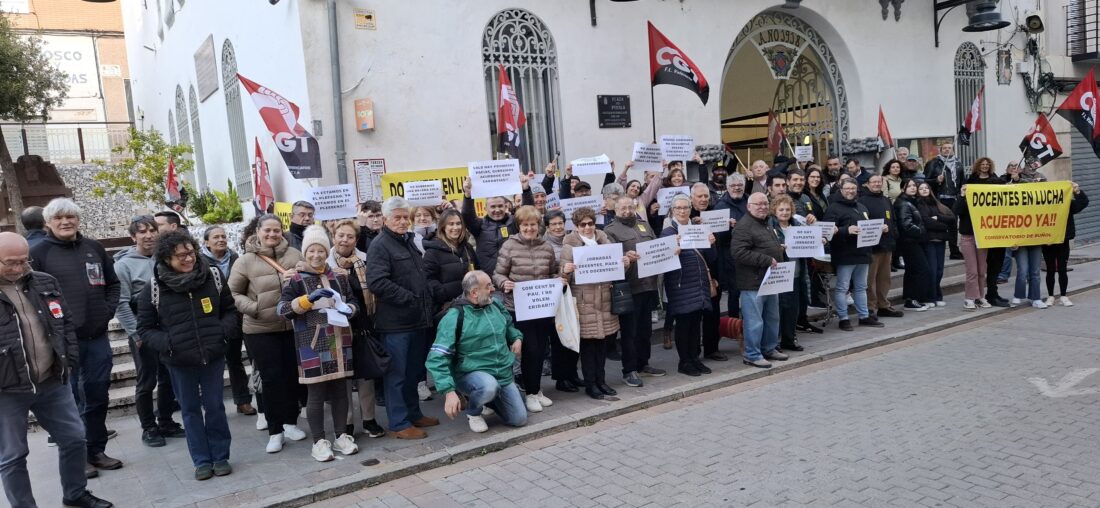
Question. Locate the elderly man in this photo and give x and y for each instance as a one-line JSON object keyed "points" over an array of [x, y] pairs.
{"points": [[700, 202], [490, 231], [475, 347], [758, 174], [87, 278], [34, 224], [756, 249], [44, 351], [301, 217], [735, 202], [395, 274]]}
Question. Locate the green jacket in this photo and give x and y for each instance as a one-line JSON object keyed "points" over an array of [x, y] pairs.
{"points": [[487, 334]]}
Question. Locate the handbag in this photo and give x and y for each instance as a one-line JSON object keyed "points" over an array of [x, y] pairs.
{"points": [[567, 322], [622, 299], [713, 283], [370, 358]]}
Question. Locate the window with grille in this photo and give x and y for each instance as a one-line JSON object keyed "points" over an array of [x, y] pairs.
{"points": [[969, 79]]}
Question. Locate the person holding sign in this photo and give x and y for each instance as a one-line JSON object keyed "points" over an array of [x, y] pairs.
{"points": [[598, 325], [850, 262], [689, 291], [939, 222], [736, 204], [878, 279], [491, 231], [974, 257], [911, 239], [648, 199], [792, 305], [1057, 255], [803, 205], [756, 249], [982, 173], [700, 202]]}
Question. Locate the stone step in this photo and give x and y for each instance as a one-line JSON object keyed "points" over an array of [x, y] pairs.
{"points": [[121, 396]]}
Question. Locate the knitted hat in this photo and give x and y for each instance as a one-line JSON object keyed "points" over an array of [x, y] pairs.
{"points": [[537, 189], [315, 234]]}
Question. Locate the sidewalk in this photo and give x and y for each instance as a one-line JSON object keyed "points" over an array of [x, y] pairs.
{"points": [[163, 477]]}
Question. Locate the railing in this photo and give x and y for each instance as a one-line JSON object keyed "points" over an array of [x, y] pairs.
{"points": [[67, 142], [1083, 30]]}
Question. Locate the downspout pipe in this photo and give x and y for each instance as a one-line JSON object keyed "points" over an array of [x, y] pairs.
{"points": [[337, 98]]}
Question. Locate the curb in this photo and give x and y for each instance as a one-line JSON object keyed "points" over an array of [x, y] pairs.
{"points": [[513, 437]]}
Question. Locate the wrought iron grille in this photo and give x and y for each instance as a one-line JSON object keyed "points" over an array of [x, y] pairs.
{"points": [[1083, 29], [200, 160], [805, 104], [242, 172], [969, 79]]}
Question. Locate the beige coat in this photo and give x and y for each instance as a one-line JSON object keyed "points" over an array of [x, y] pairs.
{"points": [[522, 260], [256, 285], [593, 300]]}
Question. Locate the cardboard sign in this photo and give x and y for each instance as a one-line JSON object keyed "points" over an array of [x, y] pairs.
{"points": [[677, 147], [717, 221], [334, 201], [601, 263], [537, 299], [870, 232], [665, 195], [657, 256], [568, 206], [495, 178], [804, 153], [598, 165], [646, 157], [424, 192], [827, 229], [694, 236], [804, 242], [779, 279]]}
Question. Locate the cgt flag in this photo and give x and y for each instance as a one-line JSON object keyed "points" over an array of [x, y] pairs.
{"points": [[670, 66], [261, 180], [1080, 109], [510, 122], [884, 130], [1040, 145], [297, 146], [973, 121], [775, 133], [171, 183]]}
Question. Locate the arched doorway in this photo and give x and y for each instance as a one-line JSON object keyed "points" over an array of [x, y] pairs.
{"points": [[779, 62]]}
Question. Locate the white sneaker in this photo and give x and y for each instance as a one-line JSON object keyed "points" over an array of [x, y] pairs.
{"points": [[929, 305], [487, 411], [1015, 302], [1064, 300], [851, 301], [275, 443], [969, 305], [423, 392], [293, 433], [261, 422], [941, 303], [983, 303], [544, 400], [477, 424], [345, 444], [322, 451], [533, 404], [1049, 301], [1038, 304], [654, 317]]}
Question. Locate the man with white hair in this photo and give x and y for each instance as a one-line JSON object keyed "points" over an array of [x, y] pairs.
{"points": [[756, 249], [87, 278], [395, 274], [758, 178]]}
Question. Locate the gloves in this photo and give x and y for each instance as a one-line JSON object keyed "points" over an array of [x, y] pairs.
{"points": [[320, 293]]}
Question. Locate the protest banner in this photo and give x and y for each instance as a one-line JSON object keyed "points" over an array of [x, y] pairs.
{"points": [[282, 209], [598, 165], [334, 201], [600, 263], [677, 147], [1018, 215], [827, 229], [393, 184], [495, 178], [870, 232], [424, 192], [778, 279], [665, 195], [803, 242], [717, 221], [657, 256], [536, 299], [694, 236]]}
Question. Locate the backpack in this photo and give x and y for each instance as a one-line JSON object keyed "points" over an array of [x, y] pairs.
{"points": [[155, 288]]}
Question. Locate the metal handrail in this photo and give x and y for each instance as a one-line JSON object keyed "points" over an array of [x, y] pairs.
{"points": [[68, 141]]}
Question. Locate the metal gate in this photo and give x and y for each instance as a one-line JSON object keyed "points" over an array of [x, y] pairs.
{"points": [[1086, 172], [969, 80], [804, 103]]}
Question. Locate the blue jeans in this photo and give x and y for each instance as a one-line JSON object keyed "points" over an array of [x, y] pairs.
{"points": [[482, 389], [934, 252], [408, 351], [856, 276], [199, 390], [1006, 268], [1027, 272], [90, 384], [56, 412], [761, 323]]}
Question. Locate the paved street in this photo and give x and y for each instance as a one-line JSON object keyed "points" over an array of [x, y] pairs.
{"points": [[951, 419]]}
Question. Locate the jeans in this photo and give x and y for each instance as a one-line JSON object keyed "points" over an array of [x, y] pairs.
{"points": [[56, 412], [856, 276], [761, 323], [934, 253], [1027, 272], [637, 329], [90, 385], [482, 389], [975, 266], [408, 351], [199, 391], [273, 354], [1006, 268], [151, 375]]}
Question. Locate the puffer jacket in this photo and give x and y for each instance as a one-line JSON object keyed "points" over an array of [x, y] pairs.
{"points": [[44, 291], [845, 213], [324, 352], [630, 231], [255, 285], [593, 300], [395, 274], [879, 207], [939, 229], [445, 269], [687, 289], [754, 245], [522, 260], [188, 326], [910, 225]]}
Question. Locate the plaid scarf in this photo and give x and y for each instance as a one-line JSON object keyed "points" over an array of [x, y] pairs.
{"points": [[354, 261]]}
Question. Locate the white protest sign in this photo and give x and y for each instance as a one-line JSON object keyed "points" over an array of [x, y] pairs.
{"points": [[598, 165], [717, 221], [665, 195], [601, 263], [536, 299], [553, 201], [677, 147], [568, 206], [694, 236], [646, 157], [334, 201], [804, 153], [870, 232], [495, 178], [804, 242], [657, 256], [778, 279], [827, 229], [424, 192]]}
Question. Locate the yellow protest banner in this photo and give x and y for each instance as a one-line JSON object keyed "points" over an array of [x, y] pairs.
{"points": [[393, 184], [1018, 215], [283, 211]]}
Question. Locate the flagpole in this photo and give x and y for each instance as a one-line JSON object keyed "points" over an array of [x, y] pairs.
{"points": [[653, 112]]}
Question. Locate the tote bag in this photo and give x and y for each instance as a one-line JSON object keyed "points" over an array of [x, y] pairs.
{"points": [[567, 323]]}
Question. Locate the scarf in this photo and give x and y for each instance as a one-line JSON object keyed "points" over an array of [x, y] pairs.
{"points": [[223, 263], [184, 282], [949, 165], [589, 242], [356, 260]]}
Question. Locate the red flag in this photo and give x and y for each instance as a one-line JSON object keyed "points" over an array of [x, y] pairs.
{"points": [[670, 66], [1040, 144], [884, 130], [775, 133], [297, 146], [1080, 109], [171, 183], [263, 195], [973, 121], [510, 122]]}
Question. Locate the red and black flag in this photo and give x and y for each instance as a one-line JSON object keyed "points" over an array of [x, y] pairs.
{"points": [[670, 66], [973, 121], [1080, 109], [263, 197], [884, 130], [775, 133], [298, 147], [1040, 144], [510, 122]]}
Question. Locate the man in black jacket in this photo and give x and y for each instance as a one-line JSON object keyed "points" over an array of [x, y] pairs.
{"points": [[301, 217], [878, 276], [945, 173], [369, 219], [34, 224], [495, 227], [850, 261], [735, 202], [39, 348], [87, 278]]}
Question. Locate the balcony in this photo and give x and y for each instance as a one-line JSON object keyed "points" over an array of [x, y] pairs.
{"points": [[67, 143], [1083, 30]]}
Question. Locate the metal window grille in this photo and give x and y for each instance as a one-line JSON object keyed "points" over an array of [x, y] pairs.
{"points": [[520, 41], [200, 162], [242, 173], [969, 79]]}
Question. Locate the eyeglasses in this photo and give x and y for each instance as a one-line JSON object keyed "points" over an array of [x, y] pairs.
{"points": [[681, 208], [13, 264], [184, 256], [764, 204], [586, 224]]}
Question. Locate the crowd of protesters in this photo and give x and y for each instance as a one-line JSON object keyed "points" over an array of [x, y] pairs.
{"points": [[379, 305]]}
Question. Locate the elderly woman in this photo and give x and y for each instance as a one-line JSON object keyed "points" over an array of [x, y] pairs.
{"points": [[185, 313], [256, 281], [554, 221], [524, 257], [598, 325], [792, 304], [688, 292]]}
